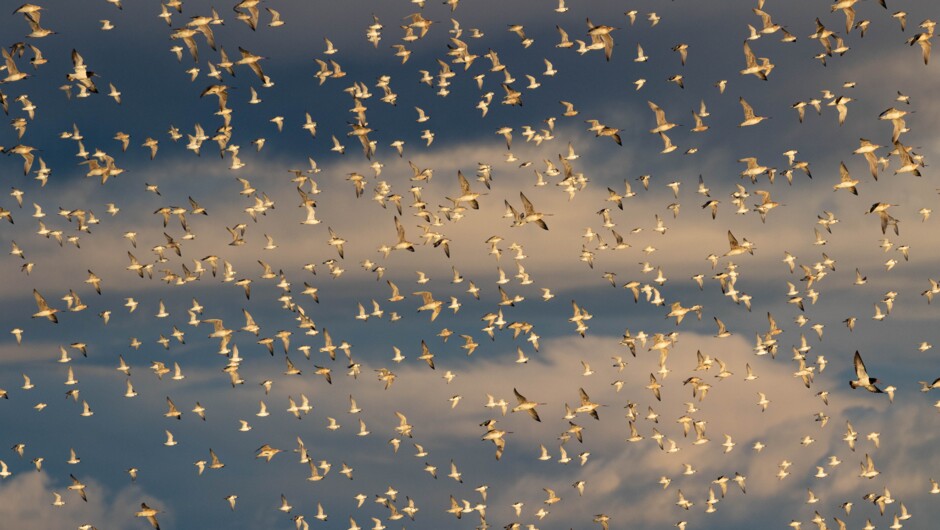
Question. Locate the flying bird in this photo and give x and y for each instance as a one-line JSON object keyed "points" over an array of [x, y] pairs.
{"points": [[526, 405], [862, 378]]}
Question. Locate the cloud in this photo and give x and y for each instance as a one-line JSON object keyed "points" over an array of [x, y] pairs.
{"points": [[26, 497], [621, 477], [552, 376]]}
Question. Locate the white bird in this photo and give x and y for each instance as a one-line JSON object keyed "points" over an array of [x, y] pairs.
{"points": [[862, 378]]}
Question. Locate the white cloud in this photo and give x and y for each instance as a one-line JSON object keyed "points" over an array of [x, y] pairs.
{"points": [[26, 502]]}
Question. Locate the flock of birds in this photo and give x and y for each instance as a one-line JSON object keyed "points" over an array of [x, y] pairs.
{"points": [[297, 335]]}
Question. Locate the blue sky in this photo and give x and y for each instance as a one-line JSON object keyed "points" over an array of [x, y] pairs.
{"points": [[622, 479]]}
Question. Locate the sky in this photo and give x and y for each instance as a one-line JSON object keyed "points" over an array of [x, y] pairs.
{"points": [[548, 314]]}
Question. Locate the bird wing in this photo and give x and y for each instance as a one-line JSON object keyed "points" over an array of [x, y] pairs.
{"points": [[400, 229], [844, 172], [77, 60], [749, 58], [40, 301], [660, 113], [748, 110], [11, 66], [860, 371], [464, 185]]}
